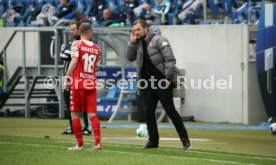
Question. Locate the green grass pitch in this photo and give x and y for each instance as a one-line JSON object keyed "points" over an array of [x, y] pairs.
{"points": [[38, 142]]}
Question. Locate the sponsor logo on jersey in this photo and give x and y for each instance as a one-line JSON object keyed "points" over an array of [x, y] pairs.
{"points": [[74, 48]]}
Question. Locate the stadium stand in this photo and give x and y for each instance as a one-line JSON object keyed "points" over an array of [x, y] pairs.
{"points": [[218, 11]]}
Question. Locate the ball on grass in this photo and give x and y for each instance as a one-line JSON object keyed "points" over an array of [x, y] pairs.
{"points": [[142, 131], [273, 129]]}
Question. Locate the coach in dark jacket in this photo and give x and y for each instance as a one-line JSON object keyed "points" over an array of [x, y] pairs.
{"points": [[156, 66]]}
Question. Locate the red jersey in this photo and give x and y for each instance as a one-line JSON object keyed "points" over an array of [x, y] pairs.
{"points": [[88, 53]]}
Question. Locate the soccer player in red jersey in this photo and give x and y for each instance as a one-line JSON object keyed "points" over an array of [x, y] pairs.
{"points": [[82, 73]]}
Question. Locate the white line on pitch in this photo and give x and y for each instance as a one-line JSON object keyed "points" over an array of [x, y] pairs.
{"points": [[197, 152], [132, 153], [162, 139], [206, 152], [178, 157]]}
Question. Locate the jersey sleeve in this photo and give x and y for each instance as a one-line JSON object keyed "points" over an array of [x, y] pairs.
{"points": [[75, 49]]}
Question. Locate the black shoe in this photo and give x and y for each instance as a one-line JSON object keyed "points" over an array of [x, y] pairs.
{"points": [[186, 144], [151, 145], [86, 131], [68, 131]]}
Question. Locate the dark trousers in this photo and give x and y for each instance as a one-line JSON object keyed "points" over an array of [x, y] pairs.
{"points": [[66, 95], [165, 96], [140, 109]]}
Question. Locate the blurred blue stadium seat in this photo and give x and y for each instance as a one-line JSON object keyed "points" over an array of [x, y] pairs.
{"points": [[81, 6], [88, 7], [214, 5], [3, 6], [242, 12], [228, 6]]}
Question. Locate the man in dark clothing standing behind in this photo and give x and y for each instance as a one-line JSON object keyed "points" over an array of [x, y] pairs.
{"points": [[66, 56], [156, 66]]}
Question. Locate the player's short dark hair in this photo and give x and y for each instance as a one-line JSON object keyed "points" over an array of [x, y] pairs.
{"points": [[142, 22], [85, 28], [76, 23]]}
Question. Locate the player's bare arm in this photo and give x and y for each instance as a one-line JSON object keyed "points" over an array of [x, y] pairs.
{"points": [[71, 68]]}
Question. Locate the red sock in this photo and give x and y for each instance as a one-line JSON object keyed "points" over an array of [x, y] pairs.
{"points": [[77, 131], [96, 129]]}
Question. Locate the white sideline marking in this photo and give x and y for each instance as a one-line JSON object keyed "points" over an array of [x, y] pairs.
{"points": [[132, 153], [205, 152], [177, 157], [165, 139], [197, 152], [33, 145], [177, 139]]}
